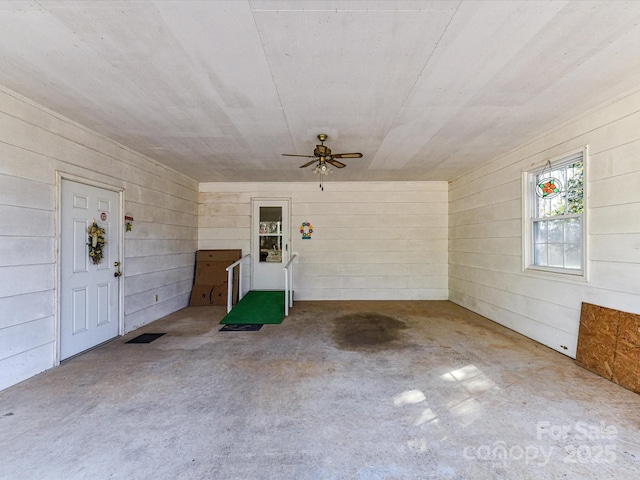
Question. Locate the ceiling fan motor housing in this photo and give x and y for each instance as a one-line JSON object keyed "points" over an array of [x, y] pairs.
{"points": [[322, 151]]}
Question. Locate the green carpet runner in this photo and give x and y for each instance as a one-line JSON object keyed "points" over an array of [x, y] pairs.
{"points": [[257, 307]]}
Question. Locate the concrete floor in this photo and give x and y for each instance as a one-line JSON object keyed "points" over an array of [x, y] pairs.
{"points": [[339, 390]]}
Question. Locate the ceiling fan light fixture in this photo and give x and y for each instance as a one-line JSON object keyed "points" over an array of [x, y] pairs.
{"points": [[322, 169]]}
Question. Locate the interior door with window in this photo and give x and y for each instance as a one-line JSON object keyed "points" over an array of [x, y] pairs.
{"points": [[270, 243], [89, 292]]}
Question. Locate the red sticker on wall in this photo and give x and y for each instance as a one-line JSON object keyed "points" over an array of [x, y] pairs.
{"points": [[103, 216]]}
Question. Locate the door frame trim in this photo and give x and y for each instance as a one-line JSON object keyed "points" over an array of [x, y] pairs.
{"points": [[252, 233], [60, 176]]}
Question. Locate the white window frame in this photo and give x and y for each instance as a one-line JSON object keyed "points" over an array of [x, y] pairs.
{"points": [[528, 205]]}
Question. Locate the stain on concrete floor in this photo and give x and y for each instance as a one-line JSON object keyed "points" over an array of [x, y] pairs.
{"points": [[288, 403], [367, 332]]}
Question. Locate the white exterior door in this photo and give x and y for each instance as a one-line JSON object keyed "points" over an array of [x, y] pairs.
{"points": [[89, 293], [269, 243]]}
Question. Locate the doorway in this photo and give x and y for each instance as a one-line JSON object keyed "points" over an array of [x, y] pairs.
{"points": [[89, 289], [269, 243]]}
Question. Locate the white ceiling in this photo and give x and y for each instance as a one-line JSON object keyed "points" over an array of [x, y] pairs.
{"points": [[218, 90]]}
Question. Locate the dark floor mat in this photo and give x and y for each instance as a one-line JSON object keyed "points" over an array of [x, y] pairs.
{"points": [[146, 338], [242, 328]]}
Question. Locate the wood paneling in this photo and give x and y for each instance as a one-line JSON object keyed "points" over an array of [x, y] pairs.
{"points": [[158, 252], [374, 240], [486, 273]]}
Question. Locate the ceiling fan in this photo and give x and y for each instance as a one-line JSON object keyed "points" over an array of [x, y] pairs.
{"points": [[322, 156]]}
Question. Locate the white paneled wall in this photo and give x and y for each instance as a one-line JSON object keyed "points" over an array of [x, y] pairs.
{"points": [[485, 231], [370, 241], [159, 252]]}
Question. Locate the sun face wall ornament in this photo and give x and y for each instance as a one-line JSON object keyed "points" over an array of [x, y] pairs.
{"points": [[306, 229]]}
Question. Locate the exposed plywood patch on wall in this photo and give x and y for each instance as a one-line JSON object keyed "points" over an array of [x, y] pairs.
{"points": [[609, 345], [626, 367], [597, 339]]}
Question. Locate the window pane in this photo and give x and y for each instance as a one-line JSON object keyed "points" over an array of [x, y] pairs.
{"points": [[270, 248], [575, 188], [270, 214], [572, 256], [556, 231], [572, 230], [270, 227], [556, 255], [540, 254], [543, 207], [540, 232]]}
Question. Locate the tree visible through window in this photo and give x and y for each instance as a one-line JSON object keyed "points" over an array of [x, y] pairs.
{"points": [[557, 223]]}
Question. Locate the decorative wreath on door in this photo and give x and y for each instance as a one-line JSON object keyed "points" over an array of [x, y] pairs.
{"points": [[96, 242]]}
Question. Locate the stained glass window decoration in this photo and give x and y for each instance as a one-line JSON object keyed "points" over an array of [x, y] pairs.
{"points": [[549, 187]]}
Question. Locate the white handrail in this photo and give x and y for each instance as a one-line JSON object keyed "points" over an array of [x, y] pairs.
{"points": [[230, 281], [288, 285]]}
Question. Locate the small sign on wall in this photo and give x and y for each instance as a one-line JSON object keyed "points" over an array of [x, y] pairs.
{"points": [[306, 230]]}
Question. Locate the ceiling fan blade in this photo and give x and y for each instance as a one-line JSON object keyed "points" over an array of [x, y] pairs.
{"points": [[308, 163], [347, 155], [336, 163], [293, 155]]}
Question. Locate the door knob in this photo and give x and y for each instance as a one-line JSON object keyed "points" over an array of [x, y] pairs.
{"points": [[117, 274]]}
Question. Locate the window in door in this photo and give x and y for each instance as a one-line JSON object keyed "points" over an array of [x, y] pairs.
{"points": [[271, 234]]}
